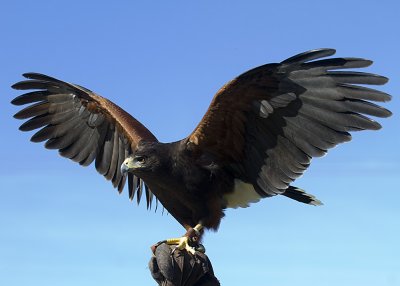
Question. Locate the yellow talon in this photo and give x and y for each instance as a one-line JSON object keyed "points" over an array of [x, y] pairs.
{"points": [[181, 243], [184, 241], [173, 241]]}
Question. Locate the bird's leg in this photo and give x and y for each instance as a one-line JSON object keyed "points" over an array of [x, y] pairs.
{"points": [[190, 241]]}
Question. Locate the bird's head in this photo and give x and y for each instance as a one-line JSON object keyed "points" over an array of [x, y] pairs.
{"points": [[145, 159]]}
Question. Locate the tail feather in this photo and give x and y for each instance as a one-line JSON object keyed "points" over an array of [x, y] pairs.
{"points": [[301, 196]]}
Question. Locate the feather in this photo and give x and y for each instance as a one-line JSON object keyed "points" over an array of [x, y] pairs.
{"points": [[121, 157], [357, 77], [46, 119], [36, 109], [338, 63], [131, 186], [135, 183], [30, 97], [360, 92], [340, 121], [348, 105], [42, 77], [309, 56], [114, 157], [103, 160], [121, 184], [36, 84], [149, 197], [139, 191]]}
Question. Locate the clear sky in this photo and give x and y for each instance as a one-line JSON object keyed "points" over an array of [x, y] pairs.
{"points": [[61, 224]]}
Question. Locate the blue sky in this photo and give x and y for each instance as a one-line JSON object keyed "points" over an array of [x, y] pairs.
{"points": [[61, 224]]}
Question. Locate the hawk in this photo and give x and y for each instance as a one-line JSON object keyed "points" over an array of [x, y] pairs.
{"points": [[257, 137]]}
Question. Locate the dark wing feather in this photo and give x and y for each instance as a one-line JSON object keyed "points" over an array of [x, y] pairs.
{"points": [[269, 122], [82, 125]]}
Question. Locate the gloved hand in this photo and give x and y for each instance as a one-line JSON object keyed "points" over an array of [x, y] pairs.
{"points": [[174, 267]]}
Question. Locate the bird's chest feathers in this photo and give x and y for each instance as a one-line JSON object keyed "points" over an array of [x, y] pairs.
{"points": [[192, 180], [191, 176]]}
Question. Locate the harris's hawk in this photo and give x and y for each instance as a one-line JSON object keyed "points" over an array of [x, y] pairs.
{"points": [[259, 134]]}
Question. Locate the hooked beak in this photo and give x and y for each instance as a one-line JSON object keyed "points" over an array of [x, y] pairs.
{"points": [[127, 166]]}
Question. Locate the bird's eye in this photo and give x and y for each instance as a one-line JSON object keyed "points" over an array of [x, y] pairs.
{"points": [[141, 159]]}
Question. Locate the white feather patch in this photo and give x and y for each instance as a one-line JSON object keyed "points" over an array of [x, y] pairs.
{"points": [[243, 194]]}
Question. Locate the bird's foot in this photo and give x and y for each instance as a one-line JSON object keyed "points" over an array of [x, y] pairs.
{"points": [[189, 242], [183, 242]]}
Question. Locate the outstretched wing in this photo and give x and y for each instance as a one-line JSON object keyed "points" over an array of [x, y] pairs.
{"points": [[269, 122], [83, 126]]}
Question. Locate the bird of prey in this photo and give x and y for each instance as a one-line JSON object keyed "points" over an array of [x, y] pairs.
{"points": [[258, 135]]}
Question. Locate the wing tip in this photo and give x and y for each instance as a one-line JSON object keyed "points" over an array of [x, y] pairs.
{"points": [[17, 86], [14, 102], [384, 79], [30, 75], [310, 55]]}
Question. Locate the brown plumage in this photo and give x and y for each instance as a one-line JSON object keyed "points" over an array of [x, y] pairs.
{"points": [[258, 135]]}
